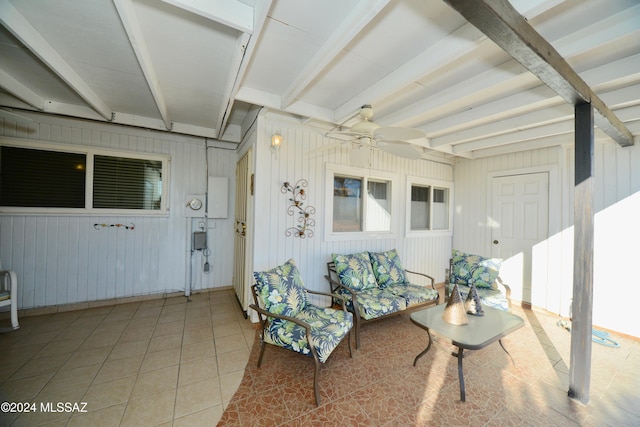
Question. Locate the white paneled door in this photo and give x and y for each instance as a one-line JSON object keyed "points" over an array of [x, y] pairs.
{"points": [[520, 219], [243, 194]]}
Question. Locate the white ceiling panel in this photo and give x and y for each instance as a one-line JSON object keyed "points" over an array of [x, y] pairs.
{"points": [[196, 68]]}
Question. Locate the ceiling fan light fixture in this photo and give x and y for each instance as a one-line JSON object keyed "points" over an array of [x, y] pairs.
{"points": [[365, 127]]}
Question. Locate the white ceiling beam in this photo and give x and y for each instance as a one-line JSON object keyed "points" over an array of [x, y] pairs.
{"points": [[273, 102], [227, 97], [461, 42], [500, 81], [246, 49], [537, 131], [611, 28], [509, 129], [561, 111], [509, 30], [604, 79], [258, 97], [136, 39], [73, 110], [138, 121], [516, 147], [232, 13], [20, 91], [23, 31], [307, 110], [521, 103], [18, 118], [410, 115], [157, 124], [558, 120], [194, 130], [359, 17]]}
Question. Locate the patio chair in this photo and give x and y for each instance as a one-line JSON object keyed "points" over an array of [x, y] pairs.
{"points": [[9, 296], [484, 272], [289, 320]]}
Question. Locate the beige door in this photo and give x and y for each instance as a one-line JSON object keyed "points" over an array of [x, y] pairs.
{"points": [[520, 215], [243, 195]]}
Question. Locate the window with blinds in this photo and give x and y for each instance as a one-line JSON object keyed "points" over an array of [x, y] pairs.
{"points": [[124, 183], [34, 179]]}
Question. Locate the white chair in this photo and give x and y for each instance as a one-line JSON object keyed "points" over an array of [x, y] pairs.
{"points": [[9, 288]]}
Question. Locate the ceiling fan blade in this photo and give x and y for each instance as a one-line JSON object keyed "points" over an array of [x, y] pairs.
{"points": [[400, 149], [397, 133]]}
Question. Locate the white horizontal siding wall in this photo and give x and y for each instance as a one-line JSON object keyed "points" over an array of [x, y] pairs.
{"points": [[64, 259], [617, 207], [299, 158]]}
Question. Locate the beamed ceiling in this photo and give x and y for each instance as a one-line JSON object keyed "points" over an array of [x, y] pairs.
{"points": [[205, 68]]}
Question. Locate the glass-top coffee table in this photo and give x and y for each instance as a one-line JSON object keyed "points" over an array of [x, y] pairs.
{"points": [[478, 333]]}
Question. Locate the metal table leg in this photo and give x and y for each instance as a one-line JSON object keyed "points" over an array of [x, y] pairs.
{"points": [[424, 351], [461, 374], [505, 350]]}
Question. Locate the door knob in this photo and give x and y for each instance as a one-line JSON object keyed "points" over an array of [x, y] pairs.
{"points": [[495, 242]]}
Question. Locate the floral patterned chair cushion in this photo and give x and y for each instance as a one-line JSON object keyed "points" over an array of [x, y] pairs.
{"points": [[413, 294], [328, 327], [387, 268], [281, 289], [375, 302], [483, 271], [355, 271]]}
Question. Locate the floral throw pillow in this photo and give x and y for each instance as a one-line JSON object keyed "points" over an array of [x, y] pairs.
{"points": [[281, 289], [387, 268], [354, 271], [483, 271]]}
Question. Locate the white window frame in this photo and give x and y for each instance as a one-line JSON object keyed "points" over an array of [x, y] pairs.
{"points": [[90, 152], [366, 174], [432, 184]]}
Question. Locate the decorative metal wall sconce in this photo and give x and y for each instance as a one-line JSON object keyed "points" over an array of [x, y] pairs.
{"points": [[305, 222]]}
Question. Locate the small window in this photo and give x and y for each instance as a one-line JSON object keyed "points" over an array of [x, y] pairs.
{"points": [[440, 209], [124, 183], [40, 178], [347, 204], [378, 206], [420, 207], [76, 181], [353, 212], [429, 207]]}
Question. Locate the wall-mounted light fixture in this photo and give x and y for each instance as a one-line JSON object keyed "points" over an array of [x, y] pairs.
{"points": [[276, 141]]}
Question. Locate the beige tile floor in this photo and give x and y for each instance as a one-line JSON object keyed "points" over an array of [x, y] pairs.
{"points": [[163, 362]]}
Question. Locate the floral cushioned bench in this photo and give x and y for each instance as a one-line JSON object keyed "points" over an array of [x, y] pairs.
{"points": [[465, 267], [376, 285]]}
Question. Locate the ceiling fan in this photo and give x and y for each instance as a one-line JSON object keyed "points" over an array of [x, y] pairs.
{"points": [[368, 135]]}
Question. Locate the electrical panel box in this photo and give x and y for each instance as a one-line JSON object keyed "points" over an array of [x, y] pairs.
{"points": [[199, 240]]}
